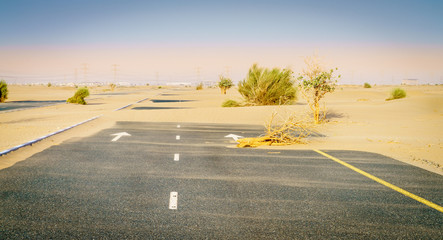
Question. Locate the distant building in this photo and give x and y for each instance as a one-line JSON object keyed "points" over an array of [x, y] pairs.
{"points": [[183, 84], [409, 82]]}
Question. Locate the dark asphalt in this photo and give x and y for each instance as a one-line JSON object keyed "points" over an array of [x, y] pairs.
{"points": [[20, 105], [93, 188]]}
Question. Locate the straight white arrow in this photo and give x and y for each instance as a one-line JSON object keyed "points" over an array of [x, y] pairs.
{"points": [[235, 137], [119, 135]]}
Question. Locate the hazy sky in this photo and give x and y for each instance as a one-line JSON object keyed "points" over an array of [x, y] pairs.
{"points": [[374, 41]]}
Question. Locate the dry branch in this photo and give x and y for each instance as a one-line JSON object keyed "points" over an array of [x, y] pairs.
{"points": [[291, 130]]}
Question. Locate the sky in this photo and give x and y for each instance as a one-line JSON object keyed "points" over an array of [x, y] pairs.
{"points": [[380, 42]]}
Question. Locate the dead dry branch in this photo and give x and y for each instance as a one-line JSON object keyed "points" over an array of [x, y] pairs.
{"points": [[286, 131]]}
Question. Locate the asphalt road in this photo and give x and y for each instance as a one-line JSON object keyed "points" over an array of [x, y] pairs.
{"points": [[21, 105], [96, 188]]}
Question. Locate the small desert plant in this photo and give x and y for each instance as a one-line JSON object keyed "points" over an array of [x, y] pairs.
{"points": [[231, 103], [49, 84], [3, 91], [112, 86], [79, 96], [367, 85], [314, 83], [397, 93], [147, 84], [199, 86], [263, 86], [224, 84]]}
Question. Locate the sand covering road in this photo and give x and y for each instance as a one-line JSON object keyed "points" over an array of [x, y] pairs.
{"points": [[409, 129]]}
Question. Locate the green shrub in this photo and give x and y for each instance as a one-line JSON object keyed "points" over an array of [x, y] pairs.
{"points": [[49, 84], [397, 93], [367, 85], [3, 91], [224, 84], [79, 96], [315, 82], [199, 86], [231, 103], [263, 86], [112, 86]]}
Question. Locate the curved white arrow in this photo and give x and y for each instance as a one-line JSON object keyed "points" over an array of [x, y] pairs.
{"points": [[119, 135], [235, 137]]}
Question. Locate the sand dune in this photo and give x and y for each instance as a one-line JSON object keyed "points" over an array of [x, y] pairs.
{"points": [[358, 119]]}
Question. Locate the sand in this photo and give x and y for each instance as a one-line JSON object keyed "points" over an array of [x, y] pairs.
{"points": [[409, 129]]}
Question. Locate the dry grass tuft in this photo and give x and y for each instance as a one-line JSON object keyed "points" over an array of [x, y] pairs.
{"points": [[287, 131]]}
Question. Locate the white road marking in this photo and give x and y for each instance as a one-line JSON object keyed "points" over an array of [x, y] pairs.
{"points": [[177, 137], [119, 135], [235, 137], [173, 200], [176, 157], [178, 126]]}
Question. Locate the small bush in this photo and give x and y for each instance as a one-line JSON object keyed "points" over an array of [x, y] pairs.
{"points": [[112, 86], [367, 85], [397, 93], [315, 82], [224, 84], [199, 86], [264, 86], [231, 103], [3, 91], [49, 84], [79, 96]]}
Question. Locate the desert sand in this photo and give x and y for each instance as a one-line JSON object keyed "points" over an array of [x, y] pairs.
{"points": [[409, 129]]}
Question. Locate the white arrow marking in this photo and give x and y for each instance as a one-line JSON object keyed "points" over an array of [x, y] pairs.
{"points": [[173, 200], [177, 137], [176, 157], [119, 135], [235, 137]]}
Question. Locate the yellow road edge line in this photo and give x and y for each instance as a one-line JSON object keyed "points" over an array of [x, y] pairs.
{"points": [[400, 190]]}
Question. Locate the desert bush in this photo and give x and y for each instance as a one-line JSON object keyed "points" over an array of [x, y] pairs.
{"points": [[263, 86], [367, 85], [224, 84], [231, 103], [3, 91], [314, 83], [199, 86], [397, 93], [79, 96], [112, 86], [49, 84]]}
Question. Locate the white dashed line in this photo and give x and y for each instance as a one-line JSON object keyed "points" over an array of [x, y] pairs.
{"points": [[178, 126], [173, 200], [176, 157], [177, 137]]}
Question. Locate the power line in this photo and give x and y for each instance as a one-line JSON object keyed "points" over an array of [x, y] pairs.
{"points": [[85, 70], [114, 69]]}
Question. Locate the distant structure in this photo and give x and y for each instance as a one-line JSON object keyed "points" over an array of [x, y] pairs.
{"points": [[411, 81], [183, 84]]}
